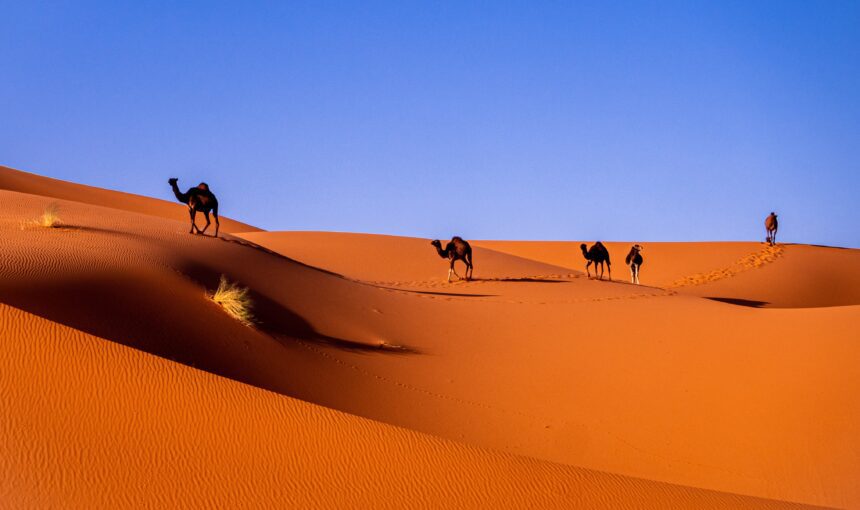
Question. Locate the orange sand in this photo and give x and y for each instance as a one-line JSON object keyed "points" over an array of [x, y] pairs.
{"points": [[531, 386]]}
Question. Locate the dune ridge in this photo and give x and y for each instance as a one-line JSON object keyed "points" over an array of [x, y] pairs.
{"points": [[25, 182], [531, 361]]}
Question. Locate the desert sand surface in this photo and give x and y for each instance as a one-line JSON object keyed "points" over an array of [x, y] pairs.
{"points": [[25, 182], [369, 380]]}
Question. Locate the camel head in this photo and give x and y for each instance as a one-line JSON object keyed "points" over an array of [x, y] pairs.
{"points": [[584, 248], [437, 243], [637, 247], [172, 181]]}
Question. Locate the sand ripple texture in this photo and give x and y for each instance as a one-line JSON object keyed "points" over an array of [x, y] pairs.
{"points": [[88, 423], [121, 383]]}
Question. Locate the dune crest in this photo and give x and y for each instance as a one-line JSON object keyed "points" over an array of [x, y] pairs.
{"points": [[527, 382]]}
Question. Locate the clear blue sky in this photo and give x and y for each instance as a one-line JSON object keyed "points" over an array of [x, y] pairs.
{"points": [[558, 120]]}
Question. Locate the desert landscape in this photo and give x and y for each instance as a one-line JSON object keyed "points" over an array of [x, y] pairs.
{"points": [[727, 379]]}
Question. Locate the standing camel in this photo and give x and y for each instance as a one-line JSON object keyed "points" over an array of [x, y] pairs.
{"points": [[197, 199], [457, 249], [634, 260], [770, 225], [597, 254]]}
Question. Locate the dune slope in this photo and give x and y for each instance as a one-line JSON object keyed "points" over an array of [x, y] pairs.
{"points": [[96, 424], [531, 358], [24, 182]]}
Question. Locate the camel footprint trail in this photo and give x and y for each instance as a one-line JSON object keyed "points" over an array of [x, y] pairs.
{"points": [[755, 260]]}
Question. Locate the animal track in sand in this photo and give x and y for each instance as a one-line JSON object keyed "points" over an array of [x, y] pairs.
{"points": [[752, 261], [414, 288]]}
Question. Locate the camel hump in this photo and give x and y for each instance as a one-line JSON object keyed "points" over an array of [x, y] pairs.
{"points": [[457, 239], [203, 186]]}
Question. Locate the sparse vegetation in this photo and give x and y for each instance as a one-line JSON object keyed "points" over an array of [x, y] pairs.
{"points": [[235, 300], [50, 218]]}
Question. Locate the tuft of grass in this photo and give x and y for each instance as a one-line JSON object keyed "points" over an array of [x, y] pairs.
{"points": [[234, 300], [51, 217]]}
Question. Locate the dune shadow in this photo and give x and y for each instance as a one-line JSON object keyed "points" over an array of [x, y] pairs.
{"points": [[100, 230], [249, 244], [817, 246], [280, 322], [740, 302]]}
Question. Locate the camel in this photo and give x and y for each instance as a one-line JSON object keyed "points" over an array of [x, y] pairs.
{"points": [[198, 199], [770, 224], [596, 254], [457, 249], [634, 260]]}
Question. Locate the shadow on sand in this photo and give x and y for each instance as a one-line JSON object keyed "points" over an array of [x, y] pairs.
{"points": [[740, 302]]}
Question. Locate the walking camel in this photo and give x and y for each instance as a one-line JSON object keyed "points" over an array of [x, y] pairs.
{"points": [[771, 225], [634, 260], [456, 249], [197, 199], [597, 254]]}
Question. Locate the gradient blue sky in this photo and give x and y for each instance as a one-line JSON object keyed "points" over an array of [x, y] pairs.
{"points": [[559, 120]]}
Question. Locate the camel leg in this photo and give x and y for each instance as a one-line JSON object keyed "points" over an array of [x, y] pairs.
{"points": [[193, 213], [632, 273], [773, 238], [454, 269], [217, 223], [589, 272], [609, 269], [206, 215]]}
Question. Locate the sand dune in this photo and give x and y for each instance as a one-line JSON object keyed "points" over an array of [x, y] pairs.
{"points": [[786, 276], [24, 182], [538, 380], [98, 425]]}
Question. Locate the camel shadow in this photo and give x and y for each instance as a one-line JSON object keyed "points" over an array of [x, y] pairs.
{"points": [[524, 279], [430, 292], [740, 302]]}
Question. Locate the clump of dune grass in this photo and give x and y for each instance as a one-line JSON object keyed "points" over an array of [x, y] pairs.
{"points": [[50, 218], [234, 300]]}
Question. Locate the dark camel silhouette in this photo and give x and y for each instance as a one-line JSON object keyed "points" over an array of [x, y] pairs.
{"points": [[771, 225], [457, 249], [197, 199], [596, 254], [634, 260]]}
